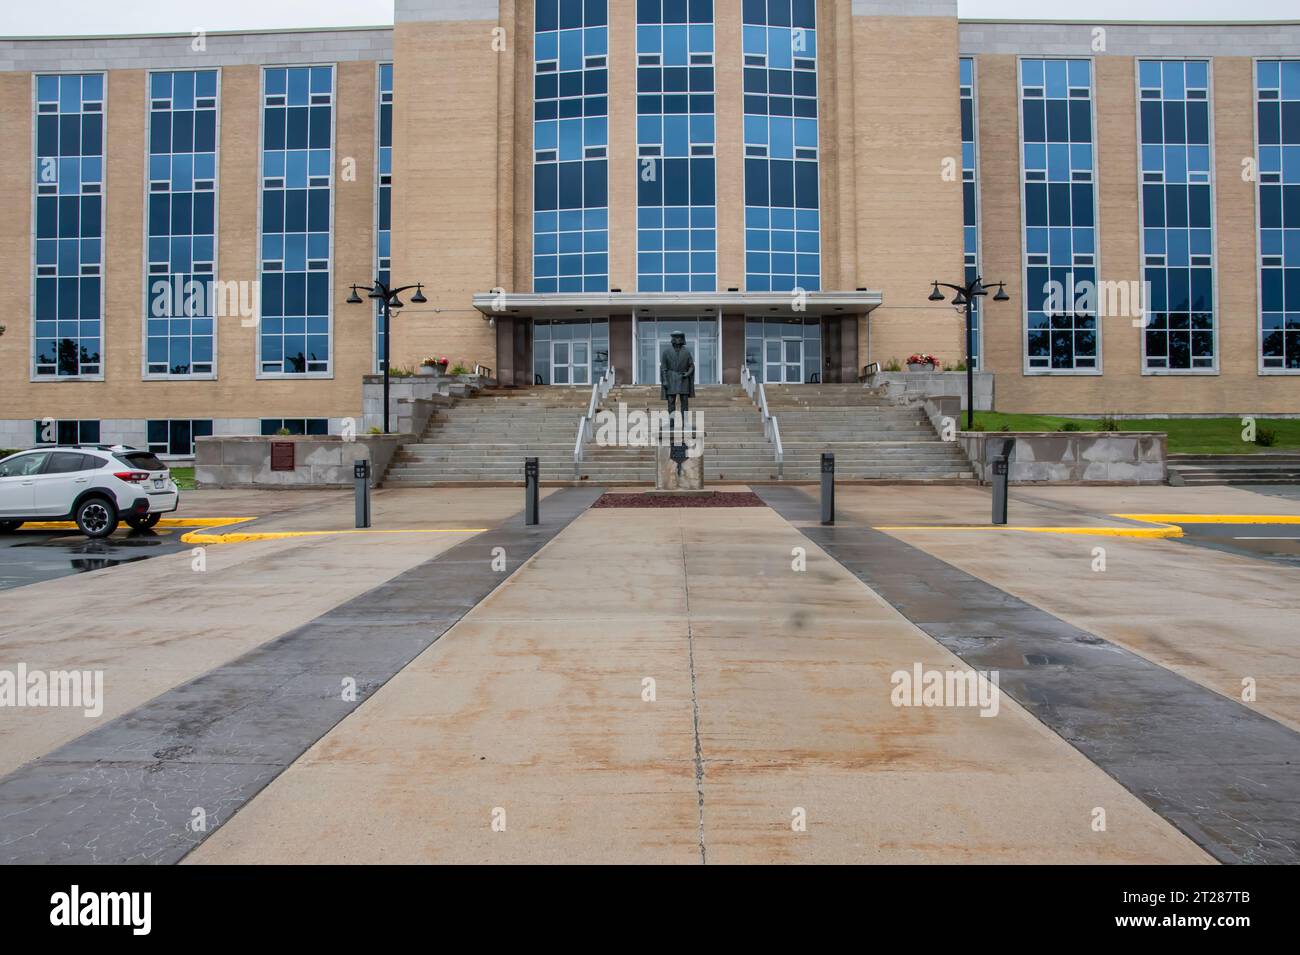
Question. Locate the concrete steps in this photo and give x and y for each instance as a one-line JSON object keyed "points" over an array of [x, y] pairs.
{"points": [[1278, 467], [487, 438]]}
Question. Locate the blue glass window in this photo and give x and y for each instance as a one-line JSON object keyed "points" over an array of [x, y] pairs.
{"points": [[176, 436], [1060, 242], [180, 240], [970, 195], [384, 201], [782, 204], [297, 178], [571, 146], [677, 238], [1177, 218], [272, 426], [50, 431], [68, 297], [1277, 95]]}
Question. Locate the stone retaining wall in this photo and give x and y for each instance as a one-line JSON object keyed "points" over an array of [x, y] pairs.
{"points": [[319, 460]]}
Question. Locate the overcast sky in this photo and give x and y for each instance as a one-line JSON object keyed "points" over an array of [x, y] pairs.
{"points": [[72, 17]]}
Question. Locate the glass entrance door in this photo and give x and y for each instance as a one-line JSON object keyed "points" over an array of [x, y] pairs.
{"points": [[702, 338], [570, 352], [784, 351], [793, 363]]}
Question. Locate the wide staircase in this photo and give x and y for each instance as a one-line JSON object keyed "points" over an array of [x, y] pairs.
{"points": [[734, 446], [872, 437], [487, 437]]}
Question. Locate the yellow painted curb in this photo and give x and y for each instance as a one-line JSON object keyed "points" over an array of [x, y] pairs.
{"points": [[1163, 531], [162, 522], [1214, 518], [238, 538]]}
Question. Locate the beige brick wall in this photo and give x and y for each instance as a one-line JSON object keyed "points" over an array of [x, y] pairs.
{"points": [[15, 243], [1122, 388], [909, 219], [729, 145], [445, 173], [235, 393], [463, 215]]}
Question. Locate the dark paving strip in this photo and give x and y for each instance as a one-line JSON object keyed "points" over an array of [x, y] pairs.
{"points": [[126, 792], [1225, 775]]}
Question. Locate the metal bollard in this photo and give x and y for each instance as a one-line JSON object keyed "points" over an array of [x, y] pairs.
{"points": [[361, 477], [530, 491], [1001, 472], [828, 487]]}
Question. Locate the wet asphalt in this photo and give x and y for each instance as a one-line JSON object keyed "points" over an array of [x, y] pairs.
{"points": [[30, 556]]}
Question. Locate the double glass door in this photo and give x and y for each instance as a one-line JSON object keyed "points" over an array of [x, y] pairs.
{"points": [[570, 352], [785, 361], [570, 363]]}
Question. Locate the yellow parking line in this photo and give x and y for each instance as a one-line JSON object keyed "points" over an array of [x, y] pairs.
{"points": [[1163, 531], [237, 538], [1214, 518], [162, 522]]}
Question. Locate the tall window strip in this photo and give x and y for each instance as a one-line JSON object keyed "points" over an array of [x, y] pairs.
{"points": [[1177, 218], [384, 201], [68, 299], [782, 207], [1277, 94], [677, 236], [970, 196], [297, 178], [571, 144], [1060, 242], [181, 233]]}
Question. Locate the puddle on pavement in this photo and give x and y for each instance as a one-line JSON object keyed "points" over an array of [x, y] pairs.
{"points": [[85, 555]]}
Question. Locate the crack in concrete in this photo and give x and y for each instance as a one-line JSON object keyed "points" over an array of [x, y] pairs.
{"points": [[695, 706]]}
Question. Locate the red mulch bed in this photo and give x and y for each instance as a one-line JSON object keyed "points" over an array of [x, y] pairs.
{"points": [[721, 499]]}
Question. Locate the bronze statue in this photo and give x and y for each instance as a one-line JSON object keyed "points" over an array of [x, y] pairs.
{"points": [[677, 374]]}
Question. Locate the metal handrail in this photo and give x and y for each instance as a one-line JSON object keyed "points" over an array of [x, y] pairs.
{"points": [[771, 430], [599, 392]]}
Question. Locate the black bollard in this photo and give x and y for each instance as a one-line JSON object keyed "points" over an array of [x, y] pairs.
{"points": [[530, 491], [828, 487], [361, 478], [1001, 472]]}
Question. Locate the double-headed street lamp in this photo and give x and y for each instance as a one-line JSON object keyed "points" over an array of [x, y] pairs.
{"points": [[389, 297], [966, 297]]}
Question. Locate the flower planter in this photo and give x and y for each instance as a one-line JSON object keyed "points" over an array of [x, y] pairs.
{"points": [[427, 371], [921, 366]]}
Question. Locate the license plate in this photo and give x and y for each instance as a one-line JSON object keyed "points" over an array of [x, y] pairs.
{"points": [[157, 482]]}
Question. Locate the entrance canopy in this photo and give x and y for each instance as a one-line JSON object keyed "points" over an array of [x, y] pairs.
{"points": [[564, 304], [572, 338]]}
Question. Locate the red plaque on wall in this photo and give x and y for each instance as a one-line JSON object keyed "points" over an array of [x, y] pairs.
{"points": [[281, 455]]}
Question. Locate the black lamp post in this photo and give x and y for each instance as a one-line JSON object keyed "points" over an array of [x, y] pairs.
{"points": [[389, 296], [966, 297]]}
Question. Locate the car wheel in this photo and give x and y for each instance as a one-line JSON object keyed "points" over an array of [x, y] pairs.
{"points": [[144, 523], [97, 517], [7, 527]]}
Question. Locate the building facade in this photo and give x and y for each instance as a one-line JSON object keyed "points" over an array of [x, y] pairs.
{"points": [[572, 180]]}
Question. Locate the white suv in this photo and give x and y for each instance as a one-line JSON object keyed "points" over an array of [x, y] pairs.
{"points": [[94, 485]]}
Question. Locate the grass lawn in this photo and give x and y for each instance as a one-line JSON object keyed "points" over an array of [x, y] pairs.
{"points": [[184, 478], [1186, 435]]}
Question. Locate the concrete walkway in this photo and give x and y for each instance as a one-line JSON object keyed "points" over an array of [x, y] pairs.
{"points": [[527, 733], [128, 790]]}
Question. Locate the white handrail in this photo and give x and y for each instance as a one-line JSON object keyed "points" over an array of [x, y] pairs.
{"points": [[771, 430], [599, 392]]}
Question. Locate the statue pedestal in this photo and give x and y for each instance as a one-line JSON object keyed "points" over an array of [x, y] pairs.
{"points": [[686, 474]]}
